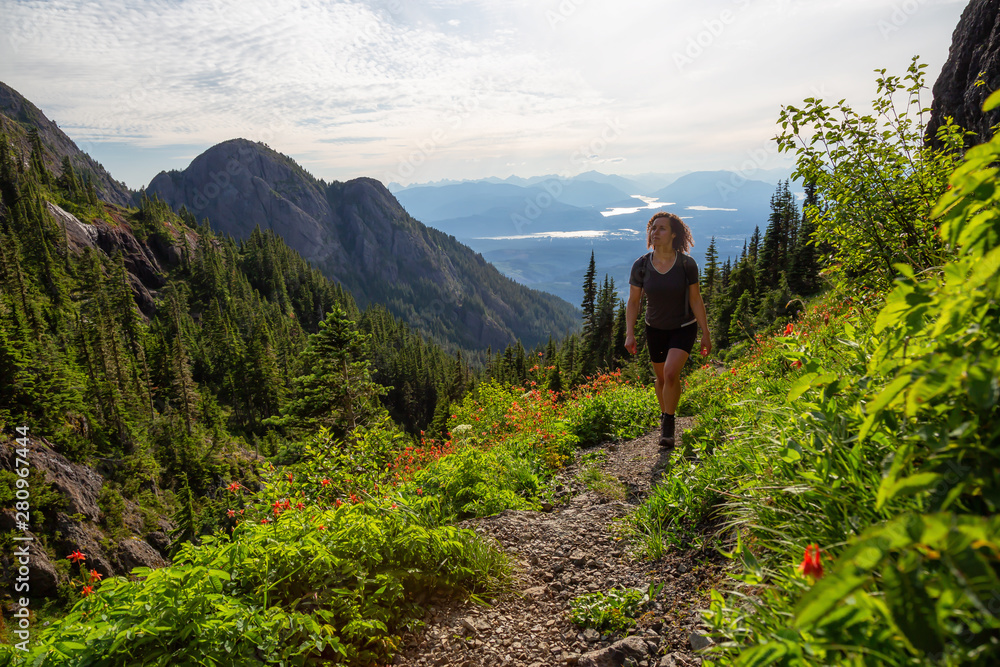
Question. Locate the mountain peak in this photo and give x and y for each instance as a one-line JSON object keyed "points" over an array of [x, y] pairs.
{"points": [[357, 233]]}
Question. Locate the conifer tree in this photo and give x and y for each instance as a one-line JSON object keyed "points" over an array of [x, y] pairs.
{"points": [[68, 180], [777, 244], [37, 159], [336, 389], [589, 296], [754, 248], [803, 277], [710, 276]]}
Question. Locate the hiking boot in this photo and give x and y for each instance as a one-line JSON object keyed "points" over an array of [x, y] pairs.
{"points": [[666, 430]]}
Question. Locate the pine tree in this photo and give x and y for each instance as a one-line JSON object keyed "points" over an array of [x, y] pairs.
{"points": [[589, 296], [68, 181], [754, 248], [336, 389], [803, 273], [710, 276], [777, 244], [37, 160]]}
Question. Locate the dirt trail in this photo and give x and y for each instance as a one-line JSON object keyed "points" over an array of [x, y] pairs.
{"points": [[565, 553]]}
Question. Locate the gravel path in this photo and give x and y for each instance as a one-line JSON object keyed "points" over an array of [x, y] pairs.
{"points": [[566, 552]]}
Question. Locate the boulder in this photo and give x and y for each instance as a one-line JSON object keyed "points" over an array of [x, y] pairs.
{"points": [[134, 553], [630, 648], [974, 56]]}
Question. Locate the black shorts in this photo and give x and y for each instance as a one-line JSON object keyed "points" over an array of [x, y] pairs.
{"points": [[659, 341]]}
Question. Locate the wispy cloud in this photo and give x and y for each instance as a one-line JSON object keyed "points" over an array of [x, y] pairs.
{"points": [[484, 82]]}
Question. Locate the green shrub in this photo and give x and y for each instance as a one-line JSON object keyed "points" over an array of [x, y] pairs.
{"points": [[616, 610], [310, 586]]}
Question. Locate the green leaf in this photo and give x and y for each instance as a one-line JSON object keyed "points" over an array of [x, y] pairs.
{"points": [[992, 102], [907, 486], [826, 594], [886, 395], [912, 609], [766, 654], [807, 382]]}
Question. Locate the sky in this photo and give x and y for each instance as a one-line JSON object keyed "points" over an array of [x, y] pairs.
{"points": [[417, 91]]}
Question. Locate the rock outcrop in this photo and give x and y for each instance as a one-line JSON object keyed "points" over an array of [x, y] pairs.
{"points": [[974, 57], [143, 261], [75, 520]]}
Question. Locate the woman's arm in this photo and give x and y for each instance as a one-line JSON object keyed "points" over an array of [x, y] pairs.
{"points": [[631, 315], [698, 308]]}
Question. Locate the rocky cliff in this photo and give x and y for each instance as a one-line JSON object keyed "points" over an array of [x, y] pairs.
{"points": [[974, 57], [65, 515], [18, 115], [358, 234]]}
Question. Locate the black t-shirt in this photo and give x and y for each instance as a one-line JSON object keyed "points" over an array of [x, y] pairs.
{"points": [[666, 305]]}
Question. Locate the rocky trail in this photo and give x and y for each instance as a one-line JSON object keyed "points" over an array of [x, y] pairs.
{"points": [[568, 551]]}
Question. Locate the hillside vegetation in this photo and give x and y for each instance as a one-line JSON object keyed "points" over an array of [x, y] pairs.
{"points": [[852, 458], [845, 455]]}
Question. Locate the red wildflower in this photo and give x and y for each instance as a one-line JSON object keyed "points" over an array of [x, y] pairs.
{"points": [[231, 513], [300, 506], [321, 527], [264, 520], [87, 590], [325, 482], [76, 556], [796, 364], [810, 565], [420, 491], [95, 575], [337, 503], [789, 329], [290, 477], [235, 486]]}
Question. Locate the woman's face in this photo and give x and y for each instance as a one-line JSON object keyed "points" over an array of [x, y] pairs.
{"points": [[661, 234]]}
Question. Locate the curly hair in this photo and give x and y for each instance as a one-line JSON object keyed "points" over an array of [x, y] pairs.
{"points": [[683, 240]]}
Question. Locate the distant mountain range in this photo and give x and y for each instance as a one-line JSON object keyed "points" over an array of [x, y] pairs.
{"points": [[716, 202], [541, 230]]}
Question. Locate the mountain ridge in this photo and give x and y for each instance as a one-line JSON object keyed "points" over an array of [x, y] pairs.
{"points": [[18, 115], [359, 234]]}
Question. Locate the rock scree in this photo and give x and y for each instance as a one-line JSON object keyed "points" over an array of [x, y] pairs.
{"points": [[563, 553]]}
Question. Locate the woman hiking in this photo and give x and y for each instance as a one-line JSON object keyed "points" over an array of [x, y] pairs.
{"points": [[668, 276]]}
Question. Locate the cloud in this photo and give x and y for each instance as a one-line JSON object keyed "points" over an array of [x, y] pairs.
{"points": [[454, 82]]}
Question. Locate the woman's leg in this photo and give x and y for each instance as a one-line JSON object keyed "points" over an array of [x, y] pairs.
{"points": [[670, 371], [660, 384]]}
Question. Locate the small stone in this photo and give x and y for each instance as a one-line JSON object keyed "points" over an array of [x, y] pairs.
{"points": [[590, 635], [699, 642]]}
